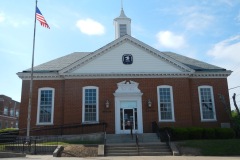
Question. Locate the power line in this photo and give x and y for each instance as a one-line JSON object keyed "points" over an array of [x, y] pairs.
{"points": [[234, 87], [235, 66]]}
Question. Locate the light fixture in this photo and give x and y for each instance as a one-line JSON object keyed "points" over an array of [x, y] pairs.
{"points": [[149, 103], [107, 103]]}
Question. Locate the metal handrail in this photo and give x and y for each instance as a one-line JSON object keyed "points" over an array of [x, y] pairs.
{"points": [[137, 143], [105, 138], [169, 138]]}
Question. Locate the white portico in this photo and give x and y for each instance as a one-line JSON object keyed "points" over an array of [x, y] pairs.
{"points": [[128, 108]]}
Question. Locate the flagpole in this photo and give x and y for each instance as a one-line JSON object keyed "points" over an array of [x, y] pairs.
{"points": [[31, 81]]}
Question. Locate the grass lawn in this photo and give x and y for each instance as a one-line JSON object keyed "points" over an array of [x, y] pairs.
{"points": [[225, 147]]}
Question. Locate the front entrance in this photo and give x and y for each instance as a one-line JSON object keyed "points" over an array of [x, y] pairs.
{"points": [[128, 117], [128, 108]]}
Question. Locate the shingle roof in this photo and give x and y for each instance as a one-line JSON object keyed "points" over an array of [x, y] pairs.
{"points": [[68, 60], [59, 63], [193, 63]]}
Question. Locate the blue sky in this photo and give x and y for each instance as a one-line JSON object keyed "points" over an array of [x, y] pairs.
{"points": [[207, 30]]}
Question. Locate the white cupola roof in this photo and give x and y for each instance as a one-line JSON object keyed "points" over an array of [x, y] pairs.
{"points": [[122, 25]]}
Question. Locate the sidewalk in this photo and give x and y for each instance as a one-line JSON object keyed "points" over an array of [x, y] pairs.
{"points": [[49, 157]]}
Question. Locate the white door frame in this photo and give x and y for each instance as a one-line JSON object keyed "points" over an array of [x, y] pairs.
{"points": [[128, 92]]}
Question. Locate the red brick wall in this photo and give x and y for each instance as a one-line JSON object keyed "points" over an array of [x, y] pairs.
{"points": [[68, 100], [8, 119]]}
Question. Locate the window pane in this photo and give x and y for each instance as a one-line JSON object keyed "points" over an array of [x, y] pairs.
{"points": [[206, 103], [165, 104], [90, 105], [46, 106]]}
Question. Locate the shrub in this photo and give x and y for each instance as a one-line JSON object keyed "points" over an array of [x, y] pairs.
{"points": [[180, 134], [195, 133], [209, 133], [224, 133]]}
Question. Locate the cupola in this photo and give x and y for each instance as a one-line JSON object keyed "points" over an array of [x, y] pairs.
{"points": [[122, 25]]}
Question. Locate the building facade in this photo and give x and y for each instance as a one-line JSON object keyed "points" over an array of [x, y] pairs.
{"points": [[125, 82], [9, 112]]}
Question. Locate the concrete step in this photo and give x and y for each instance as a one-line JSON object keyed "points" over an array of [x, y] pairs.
{"points": [[146, 149], [127, 138]]}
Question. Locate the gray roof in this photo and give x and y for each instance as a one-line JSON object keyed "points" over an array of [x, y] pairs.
{"points": [[193, 63], [63, 62], [59, 63]]}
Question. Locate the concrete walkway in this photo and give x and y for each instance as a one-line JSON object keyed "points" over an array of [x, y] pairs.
{"points": [[47, 157]]}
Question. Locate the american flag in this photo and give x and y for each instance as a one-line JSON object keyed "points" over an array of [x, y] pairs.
{"points": [[41, 19]]}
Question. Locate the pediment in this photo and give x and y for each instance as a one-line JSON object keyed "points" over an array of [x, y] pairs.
{"points": [[109, 59]]}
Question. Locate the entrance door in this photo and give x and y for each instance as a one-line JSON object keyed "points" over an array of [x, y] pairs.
{"points": [[128, 117]]}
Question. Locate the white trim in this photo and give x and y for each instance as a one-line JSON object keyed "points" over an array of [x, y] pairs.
{"points": [[172, 103], [213, 103], [128, 91], [56, 76], [83, 104], [38, 108]]}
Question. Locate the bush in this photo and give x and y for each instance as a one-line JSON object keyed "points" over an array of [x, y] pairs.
{"points": [[180, 134], [224, 133], [209, 133], [9, 131], [195, 133]]}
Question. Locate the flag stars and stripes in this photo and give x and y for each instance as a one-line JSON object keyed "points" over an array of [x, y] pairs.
{"points": [[41, 19]]}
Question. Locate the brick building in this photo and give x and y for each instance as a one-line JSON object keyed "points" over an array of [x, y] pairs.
{"points": [[9, 112], [126, 82]]}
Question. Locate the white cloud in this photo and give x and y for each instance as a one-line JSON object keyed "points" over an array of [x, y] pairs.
{"points": [[90, 27], [226, 50], [195, 17], [170, 40], [197, 21], [2, 17]]}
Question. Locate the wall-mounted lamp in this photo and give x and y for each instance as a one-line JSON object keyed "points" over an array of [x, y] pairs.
{"points": [[107, 103], [149, 103]]}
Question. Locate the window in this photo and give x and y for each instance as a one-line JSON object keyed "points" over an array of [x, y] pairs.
{"points": [[45, 106], [16, 125], [0, 124], [123, 29], [17, 113], [90, 104], [11, 112], [206, 100], [165, 103], [5, 112]]}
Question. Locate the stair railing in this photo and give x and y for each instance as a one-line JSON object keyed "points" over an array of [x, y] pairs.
{"points": [[105, 138], [169, 137], [137, 143]]}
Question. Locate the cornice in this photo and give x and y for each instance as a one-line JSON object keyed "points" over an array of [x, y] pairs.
{"points": [[40, 76], [57, 76]]}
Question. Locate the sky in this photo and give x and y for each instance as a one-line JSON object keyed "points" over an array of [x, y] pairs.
{"points": [[207, 30]]}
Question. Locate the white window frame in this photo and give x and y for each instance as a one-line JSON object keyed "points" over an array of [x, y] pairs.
{"points": [[17, 113], [172, 104], [213, 103], [38, 110], [5, 111], [97, 104], [12, 112]]}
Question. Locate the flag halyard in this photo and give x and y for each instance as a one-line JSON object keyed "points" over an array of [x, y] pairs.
{"points": [[41, 19]]}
